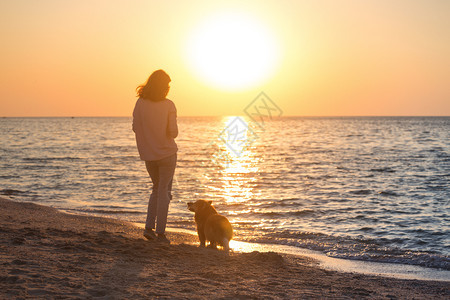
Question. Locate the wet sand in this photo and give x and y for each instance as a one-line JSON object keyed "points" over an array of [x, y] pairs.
{"points": [[45, 253]]}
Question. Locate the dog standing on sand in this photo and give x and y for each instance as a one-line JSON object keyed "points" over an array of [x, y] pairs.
{"points": [[211, 226]]}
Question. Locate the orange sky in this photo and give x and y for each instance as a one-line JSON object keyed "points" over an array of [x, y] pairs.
{"points": [[85, 58]]}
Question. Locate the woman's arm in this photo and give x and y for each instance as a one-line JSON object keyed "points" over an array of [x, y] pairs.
{"points": [[172, 127], [135, 117]]}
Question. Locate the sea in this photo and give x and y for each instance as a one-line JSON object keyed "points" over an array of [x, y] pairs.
{"points": [[361, 188]]}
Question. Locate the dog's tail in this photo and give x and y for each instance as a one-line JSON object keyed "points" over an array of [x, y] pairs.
{"points": [[226, 244]]}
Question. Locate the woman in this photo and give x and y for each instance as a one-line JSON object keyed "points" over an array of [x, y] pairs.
{"points": [[155, 127]]}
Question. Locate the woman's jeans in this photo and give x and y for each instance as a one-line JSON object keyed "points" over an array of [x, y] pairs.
{"points": [[161, 172]]}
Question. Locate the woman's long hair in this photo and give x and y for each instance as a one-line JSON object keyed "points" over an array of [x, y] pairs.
{"points": [[156, 87]]}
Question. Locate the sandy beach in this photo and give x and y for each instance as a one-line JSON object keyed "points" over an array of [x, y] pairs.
{"points": [[49, 254]]}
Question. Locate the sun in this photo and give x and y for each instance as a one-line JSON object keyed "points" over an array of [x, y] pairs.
{"points": [[232, 51]]}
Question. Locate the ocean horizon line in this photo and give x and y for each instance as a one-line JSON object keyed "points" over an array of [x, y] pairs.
{"points": [[231, 115]]}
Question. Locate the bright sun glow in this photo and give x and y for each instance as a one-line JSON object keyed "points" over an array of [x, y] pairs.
{"points": [[232, 51]]}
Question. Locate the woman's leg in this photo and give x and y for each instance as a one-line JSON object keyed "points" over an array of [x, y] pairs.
{"points": [[166, 171], [153, 171]]}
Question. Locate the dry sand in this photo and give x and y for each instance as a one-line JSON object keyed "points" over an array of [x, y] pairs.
{"points": [[49, 254]]}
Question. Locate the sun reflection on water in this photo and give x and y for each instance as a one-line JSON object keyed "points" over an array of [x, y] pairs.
{"points": [[239, 162]]}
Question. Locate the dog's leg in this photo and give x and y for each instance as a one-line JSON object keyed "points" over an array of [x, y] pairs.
{"points": [[226, 244], [201, 236]]}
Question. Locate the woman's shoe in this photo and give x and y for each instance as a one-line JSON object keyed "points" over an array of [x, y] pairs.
{"points": [[162, 238], [149, 234]]}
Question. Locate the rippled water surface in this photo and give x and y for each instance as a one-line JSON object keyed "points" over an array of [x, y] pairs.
{"points": [[362, 188]]}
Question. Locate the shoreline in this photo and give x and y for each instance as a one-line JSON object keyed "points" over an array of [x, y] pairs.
{"points": [[345, 265], [47, 253], [389, 270]]}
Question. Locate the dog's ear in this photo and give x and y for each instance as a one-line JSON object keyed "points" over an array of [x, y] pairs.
{"points": [[209, 202]]}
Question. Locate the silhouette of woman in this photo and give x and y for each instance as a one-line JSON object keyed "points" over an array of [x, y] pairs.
{"points": [[155, 127]]}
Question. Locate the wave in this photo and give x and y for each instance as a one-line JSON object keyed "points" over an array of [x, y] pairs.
{"points": [[9, 176], [388, 193], [105, 211], [361, 192], [11, 192], [383, 170], [48, 159], [278, 214], [375, 250]]}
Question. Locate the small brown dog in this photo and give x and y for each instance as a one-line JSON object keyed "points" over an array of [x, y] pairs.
{"points": [[211, 226]]}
